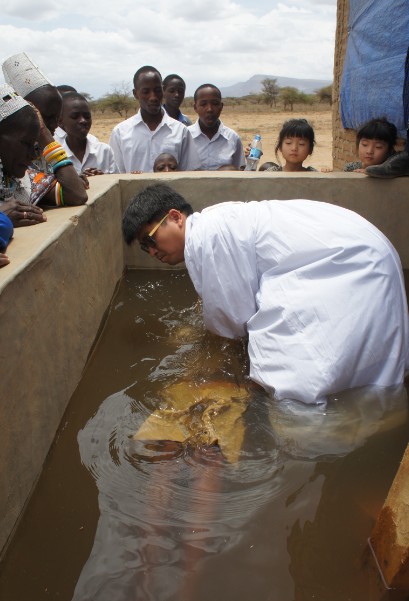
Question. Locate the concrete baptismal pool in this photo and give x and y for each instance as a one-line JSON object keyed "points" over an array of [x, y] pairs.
{"points": [[102, 515]]}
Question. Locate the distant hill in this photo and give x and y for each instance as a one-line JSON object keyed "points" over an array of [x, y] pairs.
{"points": [[253, 85]]}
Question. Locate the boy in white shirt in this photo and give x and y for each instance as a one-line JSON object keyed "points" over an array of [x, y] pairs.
{"points": [[88, 155], [216, 144], [137, 141]]}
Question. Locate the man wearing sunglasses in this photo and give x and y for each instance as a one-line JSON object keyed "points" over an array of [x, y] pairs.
{"points": [[317, 289]]}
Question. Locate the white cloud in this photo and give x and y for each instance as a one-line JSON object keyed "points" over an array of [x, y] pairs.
{"points": [[26, 9], [229, 43]]}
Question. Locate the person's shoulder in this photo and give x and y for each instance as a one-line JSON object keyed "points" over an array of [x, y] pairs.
{"points": [[128, 124], [185, 120], [173, 123], [59, 134], [92, 137], [96, 145], [228, 132], [309, 168], [194, 128]]}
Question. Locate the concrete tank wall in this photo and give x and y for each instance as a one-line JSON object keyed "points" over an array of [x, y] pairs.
{"points": [[63, 274]]}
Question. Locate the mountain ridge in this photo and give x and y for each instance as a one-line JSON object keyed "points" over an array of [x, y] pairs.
{"points": [[253, 85]]}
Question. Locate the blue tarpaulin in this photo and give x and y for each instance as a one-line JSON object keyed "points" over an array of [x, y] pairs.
{"points": [[372, 83]]}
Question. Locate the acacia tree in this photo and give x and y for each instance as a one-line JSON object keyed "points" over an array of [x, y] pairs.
{"points": [[118, 101], [325, 94], [270, 91], [290, 96], [87, 96]]}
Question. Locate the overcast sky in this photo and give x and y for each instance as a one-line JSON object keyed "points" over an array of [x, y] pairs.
{"points": [[95, 46]]}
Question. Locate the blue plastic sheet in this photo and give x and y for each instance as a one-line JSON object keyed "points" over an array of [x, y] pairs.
{"points": [[373, 78]]}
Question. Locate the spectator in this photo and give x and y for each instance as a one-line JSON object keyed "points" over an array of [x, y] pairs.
{"points": [[397, 165], [60, 184], [216, 144], [375, 142], [19, 127], [174, 89], [88, 155], [295, 142], [165, 162], [137, 141]]}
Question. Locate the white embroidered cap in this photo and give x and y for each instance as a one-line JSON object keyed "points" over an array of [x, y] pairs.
{"points": [[10, 101], [24, 75]]}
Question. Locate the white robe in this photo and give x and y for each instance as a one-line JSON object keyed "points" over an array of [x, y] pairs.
{"points": [[317, 288]]}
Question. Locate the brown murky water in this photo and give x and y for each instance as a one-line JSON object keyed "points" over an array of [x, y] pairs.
{"points": [[118, 519]]}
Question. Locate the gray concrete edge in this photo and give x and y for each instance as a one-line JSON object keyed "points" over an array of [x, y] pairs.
{"points": [[62, 275]]}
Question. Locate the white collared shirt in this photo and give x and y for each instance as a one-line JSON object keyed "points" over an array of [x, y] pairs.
{"points": [[225, 148], [136, 147], [98, 155]]}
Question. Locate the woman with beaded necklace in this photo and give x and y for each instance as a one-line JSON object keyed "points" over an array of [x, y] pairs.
{"points": [[51, 178], [19, 127]]}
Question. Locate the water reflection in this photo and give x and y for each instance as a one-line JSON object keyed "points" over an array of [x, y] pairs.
{"points": [[180, 522]]}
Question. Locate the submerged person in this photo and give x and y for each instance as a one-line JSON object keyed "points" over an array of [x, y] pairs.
{"points": [[307, 281]]}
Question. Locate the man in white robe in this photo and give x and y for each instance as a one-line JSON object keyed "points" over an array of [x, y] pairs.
{"points": [[318, 290]]}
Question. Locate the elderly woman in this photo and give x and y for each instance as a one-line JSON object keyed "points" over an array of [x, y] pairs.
{"points": [[19, 128]]}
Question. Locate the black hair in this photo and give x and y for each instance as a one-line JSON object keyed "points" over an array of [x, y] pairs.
{"points": [[378, 129], [145, 69], [206, 85], [73, 96], [267, 165], [64, 88], [161, 156], [41, 91], [19, 120], [169, 78], [151, 205], [296, 128]]}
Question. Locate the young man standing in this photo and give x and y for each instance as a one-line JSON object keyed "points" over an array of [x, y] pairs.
{"points": [[88, 155], [216, 144], [137, 141], [174, 89]]}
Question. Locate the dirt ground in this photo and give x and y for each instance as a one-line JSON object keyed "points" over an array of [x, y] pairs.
{"points": [[262, 120]]}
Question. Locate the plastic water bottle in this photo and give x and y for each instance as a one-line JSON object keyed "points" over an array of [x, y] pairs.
{"points": [[255, 154]]}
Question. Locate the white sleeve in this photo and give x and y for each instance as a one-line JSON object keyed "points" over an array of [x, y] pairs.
{"points": [[220, 258], [238, 156], [189, 158], [115, 144], [113, 167]]}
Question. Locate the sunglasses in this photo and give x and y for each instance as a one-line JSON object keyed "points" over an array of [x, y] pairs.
{"points": [[148, 241]]}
